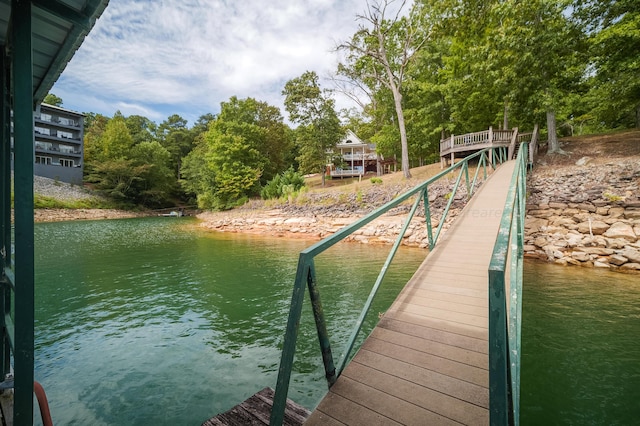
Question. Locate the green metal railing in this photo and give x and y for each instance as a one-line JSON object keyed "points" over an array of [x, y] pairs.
{"points": [[505, 302], [306, 274]]}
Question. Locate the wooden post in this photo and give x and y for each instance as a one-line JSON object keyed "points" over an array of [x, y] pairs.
{"points": [[453, 155], [490, 135]]}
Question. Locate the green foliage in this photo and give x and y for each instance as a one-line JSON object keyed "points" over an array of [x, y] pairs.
{"points": [[319, 127], [244, 143], [283, 184], [52, 99], [376, 181]]}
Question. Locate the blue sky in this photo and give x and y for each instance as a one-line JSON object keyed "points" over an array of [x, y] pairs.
{"points": [[156, 58]]}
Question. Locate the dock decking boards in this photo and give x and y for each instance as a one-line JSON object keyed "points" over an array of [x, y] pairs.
{"points": [[256, 410], [427, 360]]}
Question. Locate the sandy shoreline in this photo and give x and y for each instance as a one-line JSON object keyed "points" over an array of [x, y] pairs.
{"points": [[61, 215]]}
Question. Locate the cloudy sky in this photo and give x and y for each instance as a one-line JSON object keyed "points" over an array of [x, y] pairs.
{"points": [[159, 57]]}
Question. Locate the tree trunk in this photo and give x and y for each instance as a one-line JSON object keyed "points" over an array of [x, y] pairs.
{"points": [[553, 145], [505, 124], [379, 171], [638, 116], [397, 98]]}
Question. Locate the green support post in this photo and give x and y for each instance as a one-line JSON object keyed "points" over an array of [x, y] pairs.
{"points": [[427, 217], [289, 347], [321, 326], [22, 73], [5, 214]]}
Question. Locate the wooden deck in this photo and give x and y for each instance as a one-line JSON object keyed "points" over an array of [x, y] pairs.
{"points": [[427, 360], [256, 411]]}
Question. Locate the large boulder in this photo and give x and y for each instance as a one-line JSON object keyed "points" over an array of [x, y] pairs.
{"points": [[621, 230], [595, 226]]}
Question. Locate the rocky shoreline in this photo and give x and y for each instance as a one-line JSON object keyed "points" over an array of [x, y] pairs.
{"points": [[585, 214]]}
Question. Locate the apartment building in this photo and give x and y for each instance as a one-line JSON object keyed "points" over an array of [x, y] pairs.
{"points": [[59, 136]]}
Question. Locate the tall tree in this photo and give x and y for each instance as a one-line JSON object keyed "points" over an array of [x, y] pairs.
{"points": [[319, 126], [52, 99], [380, 53], [174, 135], [614, 42], [140, 128]]}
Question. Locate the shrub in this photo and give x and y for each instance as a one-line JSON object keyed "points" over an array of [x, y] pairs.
{"points": [[283, 184], [376, 180]]}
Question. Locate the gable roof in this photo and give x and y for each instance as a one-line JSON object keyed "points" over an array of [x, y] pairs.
{"points": [[350, 140]]}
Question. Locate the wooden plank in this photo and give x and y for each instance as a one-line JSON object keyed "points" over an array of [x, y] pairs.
{"points": [[441, 314], [345, 410], [256, 410], [386, 405], [468, 330], [442, 364], [441, 349], [445, 405], [447, 297], [452, 305]]}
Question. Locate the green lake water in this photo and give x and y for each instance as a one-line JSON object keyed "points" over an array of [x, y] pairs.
{"points": [[151, 321]]}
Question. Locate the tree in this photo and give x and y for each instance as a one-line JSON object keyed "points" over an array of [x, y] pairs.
{"points": [[319, 127], [262, 125], [116, 141], [52, 99], [140, 128], [245, 142], [156, 181], [174, 135], [381, 54], [614, 43]]}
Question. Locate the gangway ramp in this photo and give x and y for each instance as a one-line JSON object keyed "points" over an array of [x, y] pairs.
{"points": [[427, 361]]}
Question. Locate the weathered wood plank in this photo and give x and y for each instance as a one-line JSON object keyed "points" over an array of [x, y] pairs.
{"points": [[256, 410]]}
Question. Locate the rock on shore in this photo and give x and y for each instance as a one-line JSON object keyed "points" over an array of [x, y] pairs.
{"points": [[318, 215], [587, 214]]}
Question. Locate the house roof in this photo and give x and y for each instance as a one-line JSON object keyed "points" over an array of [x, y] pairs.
{"points": [[351, 140], [58, 29]]}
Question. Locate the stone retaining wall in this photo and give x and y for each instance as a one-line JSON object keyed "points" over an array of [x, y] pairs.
{"points": [[587, 215]]}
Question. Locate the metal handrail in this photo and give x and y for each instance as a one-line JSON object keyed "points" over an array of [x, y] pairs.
{"points": [[305, 273], [505, 312]]}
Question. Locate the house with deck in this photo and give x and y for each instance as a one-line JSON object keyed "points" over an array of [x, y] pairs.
{"points": [[353, 157]]}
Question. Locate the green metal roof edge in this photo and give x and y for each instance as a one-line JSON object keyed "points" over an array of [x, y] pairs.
{"points": [[68, 48]]}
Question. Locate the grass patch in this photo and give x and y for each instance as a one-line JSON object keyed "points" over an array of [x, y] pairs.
{"points": [[44, 202]]}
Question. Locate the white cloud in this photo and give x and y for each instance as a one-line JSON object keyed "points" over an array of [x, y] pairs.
{"points": [[160, 57]]}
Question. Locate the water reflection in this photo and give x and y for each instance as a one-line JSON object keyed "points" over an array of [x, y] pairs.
{"points": [[581, 354], [147, 321]]}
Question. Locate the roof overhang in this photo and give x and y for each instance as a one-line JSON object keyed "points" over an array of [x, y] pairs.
{"points": [[58, 29]]}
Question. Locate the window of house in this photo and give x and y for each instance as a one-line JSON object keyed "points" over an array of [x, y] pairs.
{"points": [[43, 160], [66, 163], [44, 145], [45, 117]]}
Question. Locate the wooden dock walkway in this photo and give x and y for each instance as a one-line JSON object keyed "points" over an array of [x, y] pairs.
{"points": [[427, 360]]}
